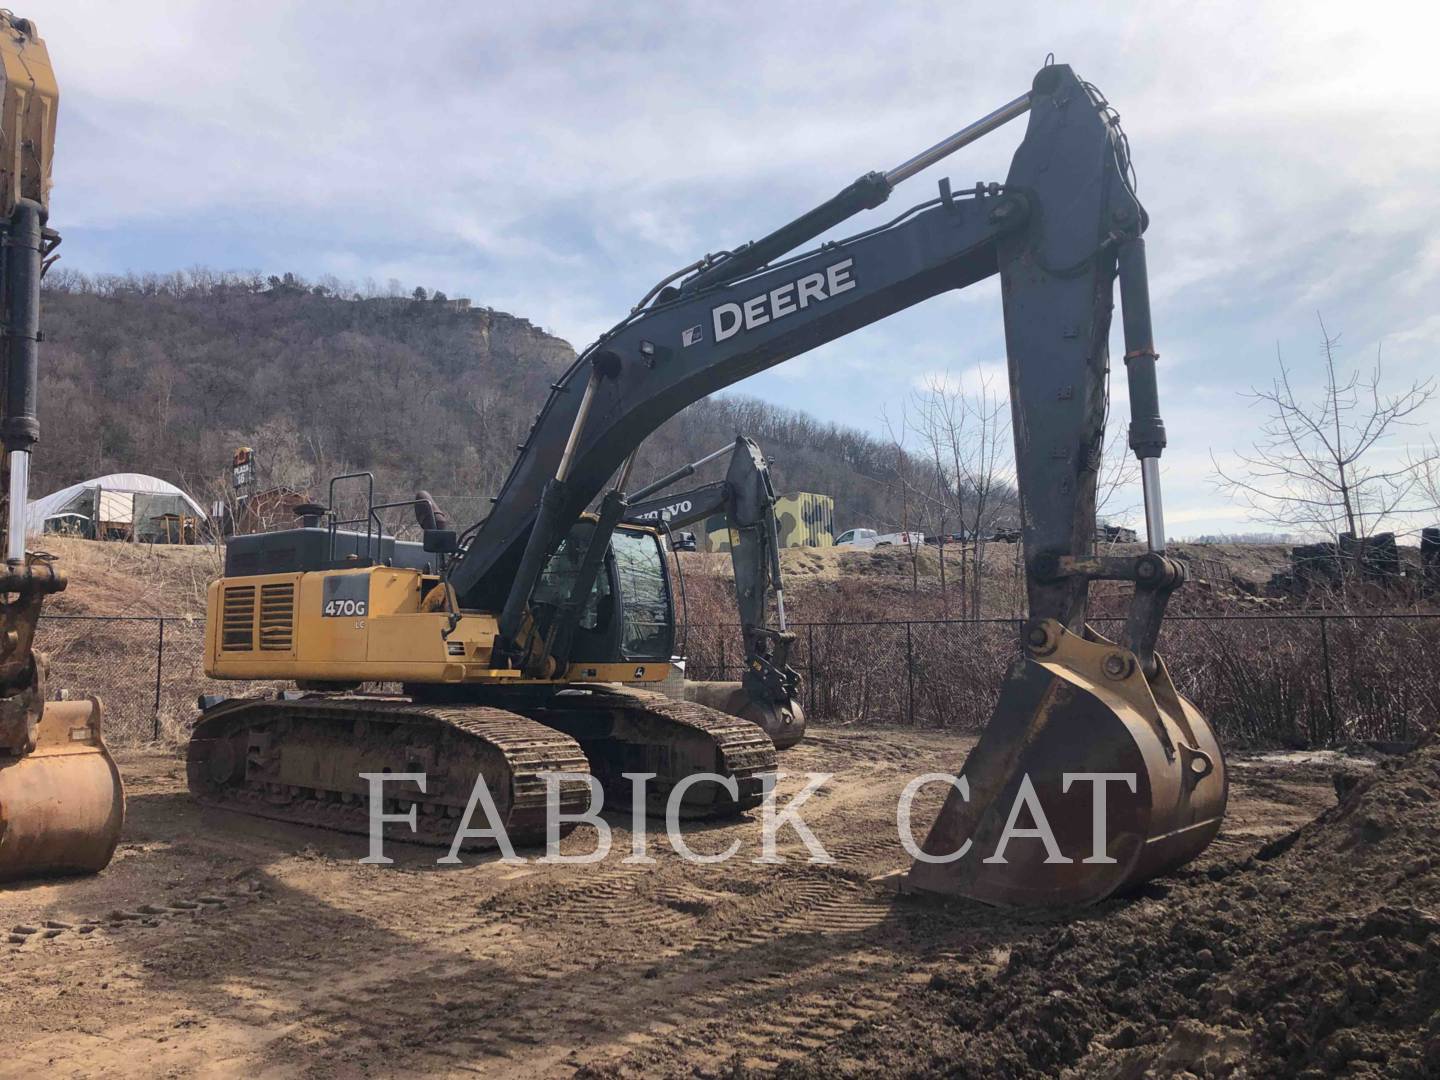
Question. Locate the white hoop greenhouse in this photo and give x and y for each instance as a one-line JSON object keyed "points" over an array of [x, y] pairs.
{"points": [[120, 506]]}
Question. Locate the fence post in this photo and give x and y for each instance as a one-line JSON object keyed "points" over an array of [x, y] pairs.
{"points": [[1329, 680], [722, 658], [909, 676], [159, 671], [810, 665]]}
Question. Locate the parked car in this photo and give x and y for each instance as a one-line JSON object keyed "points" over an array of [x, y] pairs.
{"points": [[683, 541], [869, 538]]}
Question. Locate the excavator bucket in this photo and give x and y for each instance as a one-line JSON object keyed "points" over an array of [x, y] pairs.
{"points": [[785, 724], [1123, 774], [61, 804]]}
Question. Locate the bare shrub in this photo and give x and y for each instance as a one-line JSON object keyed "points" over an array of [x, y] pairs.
{"points": [[1260, 681]]}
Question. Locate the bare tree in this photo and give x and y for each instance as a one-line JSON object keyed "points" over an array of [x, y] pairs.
{"points": [[937, 417], [970, 485], [1323, 466], [1119, 475], [1426, 462], [903, 468]]}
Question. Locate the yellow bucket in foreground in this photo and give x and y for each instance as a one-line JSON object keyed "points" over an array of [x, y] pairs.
{"points": [[1126, 773], [61, 805]]}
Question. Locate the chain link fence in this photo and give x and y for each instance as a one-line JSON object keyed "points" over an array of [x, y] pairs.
{"points": [[1284, 679], [1295, 679], [147, 671]]}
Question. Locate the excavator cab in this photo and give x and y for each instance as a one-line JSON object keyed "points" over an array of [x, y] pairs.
{"points": [[628, 613]]}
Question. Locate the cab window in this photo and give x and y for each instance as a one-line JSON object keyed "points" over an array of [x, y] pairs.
{"points": [[647, 631], [558, 578]]}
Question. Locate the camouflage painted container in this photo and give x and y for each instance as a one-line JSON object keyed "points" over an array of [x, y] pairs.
{"points": [[803, 519]]}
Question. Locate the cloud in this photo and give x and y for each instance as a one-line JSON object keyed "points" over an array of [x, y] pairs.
{"points": [[1211, 516], [992, 378], [557, 159], [1424, 334]]}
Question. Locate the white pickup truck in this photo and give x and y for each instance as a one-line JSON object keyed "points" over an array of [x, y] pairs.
{"points": [[869, 538]]}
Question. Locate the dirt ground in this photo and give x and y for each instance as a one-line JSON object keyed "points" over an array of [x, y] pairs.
{"points": [[218, 945], [1317, 957]]}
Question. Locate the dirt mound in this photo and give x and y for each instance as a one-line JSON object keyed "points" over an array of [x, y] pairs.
{"points": [[1318, 956]]}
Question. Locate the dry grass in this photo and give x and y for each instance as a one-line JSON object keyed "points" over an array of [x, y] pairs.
{"points": [[846, 585], [102, 636], [1262, 681], [113, 579]]}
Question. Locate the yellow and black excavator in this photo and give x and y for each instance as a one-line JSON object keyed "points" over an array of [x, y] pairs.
{"points": [[524, 646], [61, 801]]}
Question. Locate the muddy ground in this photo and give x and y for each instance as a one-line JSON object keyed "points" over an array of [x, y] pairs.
{"points": [[217, 945]]}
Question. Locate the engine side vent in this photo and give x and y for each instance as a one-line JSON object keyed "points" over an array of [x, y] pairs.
{"points": [[237, 619], [277, 617]]}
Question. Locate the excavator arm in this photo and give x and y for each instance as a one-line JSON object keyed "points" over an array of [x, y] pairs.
{"points": [[1057, 231], [61, 800], [769, 688]]}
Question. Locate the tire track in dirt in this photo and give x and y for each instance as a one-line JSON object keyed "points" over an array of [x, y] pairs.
{"points": [[815, 973], [583, 993], [648, 933], [785, 929], [659, 927]]}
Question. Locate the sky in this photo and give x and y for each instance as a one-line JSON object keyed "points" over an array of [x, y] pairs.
{"points": [[554, 160]]}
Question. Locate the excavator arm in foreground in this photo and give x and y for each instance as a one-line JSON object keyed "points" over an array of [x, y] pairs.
{"points": [[1060, 231], [61, 801], [768, 692]]}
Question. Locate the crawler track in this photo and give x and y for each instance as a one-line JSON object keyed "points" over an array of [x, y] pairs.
{"points": [[300, 761], [625, 730]]}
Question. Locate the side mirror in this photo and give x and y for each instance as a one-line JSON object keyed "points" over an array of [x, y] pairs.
{"points": [[441, 541]]}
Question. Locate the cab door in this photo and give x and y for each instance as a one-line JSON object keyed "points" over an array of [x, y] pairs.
{"points": [[642, 582]]}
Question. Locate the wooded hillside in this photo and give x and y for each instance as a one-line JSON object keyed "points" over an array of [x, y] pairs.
{"points": [[168, 374]]}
